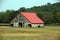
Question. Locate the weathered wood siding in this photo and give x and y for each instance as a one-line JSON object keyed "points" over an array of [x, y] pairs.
{"points": [[21, 19]]}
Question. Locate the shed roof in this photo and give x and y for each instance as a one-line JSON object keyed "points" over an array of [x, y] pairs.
{"points": [[32, 17]]}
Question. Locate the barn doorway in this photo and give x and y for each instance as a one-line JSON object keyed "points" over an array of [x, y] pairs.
{"points": [[11, 25], [38, 26], [20, 24], [29, 25]]}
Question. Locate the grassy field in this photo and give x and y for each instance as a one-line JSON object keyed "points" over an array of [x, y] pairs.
{"points": [[46, 33]]}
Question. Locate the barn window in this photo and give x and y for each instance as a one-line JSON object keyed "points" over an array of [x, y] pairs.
{"points": [[11, 25], [30, 25], [38, 26]]}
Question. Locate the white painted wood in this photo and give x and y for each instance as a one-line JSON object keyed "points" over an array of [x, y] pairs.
{"points": [[15, 24], [35, 25], [41, 25], [21, 19]]}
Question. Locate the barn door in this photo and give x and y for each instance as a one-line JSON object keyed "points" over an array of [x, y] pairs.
{"points": [[20, 24]]}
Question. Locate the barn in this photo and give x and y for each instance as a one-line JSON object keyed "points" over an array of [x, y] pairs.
{"points": [[27, 19]]}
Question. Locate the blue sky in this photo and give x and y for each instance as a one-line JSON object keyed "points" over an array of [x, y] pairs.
{"points": [[16, 4]]}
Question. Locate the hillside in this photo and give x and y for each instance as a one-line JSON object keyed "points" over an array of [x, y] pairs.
{"points": [[50, 13]]}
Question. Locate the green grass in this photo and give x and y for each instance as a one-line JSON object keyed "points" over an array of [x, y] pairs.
{"points": [[46, 33]]}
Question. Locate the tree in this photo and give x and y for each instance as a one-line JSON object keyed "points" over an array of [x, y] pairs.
{"points": [[22, 9], [50, 13]]}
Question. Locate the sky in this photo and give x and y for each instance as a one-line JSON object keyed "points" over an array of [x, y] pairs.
{"points": [[16, 4]]}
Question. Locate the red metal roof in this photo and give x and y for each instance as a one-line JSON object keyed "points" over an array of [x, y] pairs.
{"points": [[32, 17]]}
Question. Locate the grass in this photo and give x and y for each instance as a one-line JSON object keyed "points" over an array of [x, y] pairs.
{"points": [[46, 33]]}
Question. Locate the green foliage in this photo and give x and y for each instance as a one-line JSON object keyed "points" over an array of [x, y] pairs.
{"points": [[6, 17], [49, 13], [22, 9]]}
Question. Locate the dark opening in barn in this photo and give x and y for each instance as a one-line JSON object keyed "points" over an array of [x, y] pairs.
{"points": [[29, 25], [20, 24]]}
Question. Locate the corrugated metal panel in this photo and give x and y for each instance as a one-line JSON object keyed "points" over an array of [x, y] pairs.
{"points": [[32, 17]]}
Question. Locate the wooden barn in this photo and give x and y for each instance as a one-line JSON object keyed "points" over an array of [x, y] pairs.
{"points": [[27, 19]]}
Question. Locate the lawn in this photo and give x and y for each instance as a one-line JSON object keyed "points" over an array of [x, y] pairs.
{"points": [[46, 33]]}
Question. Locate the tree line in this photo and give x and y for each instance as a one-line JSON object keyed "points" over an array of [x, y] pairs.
{"points": [[49, 13]]}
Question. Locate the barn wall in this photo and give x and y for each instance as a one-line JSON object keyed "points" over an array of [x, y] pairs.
{"points": [[21, 19], [41, 25], [15, 19], [25, 21], [15, 24], [36, 25], [26, 24]]}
